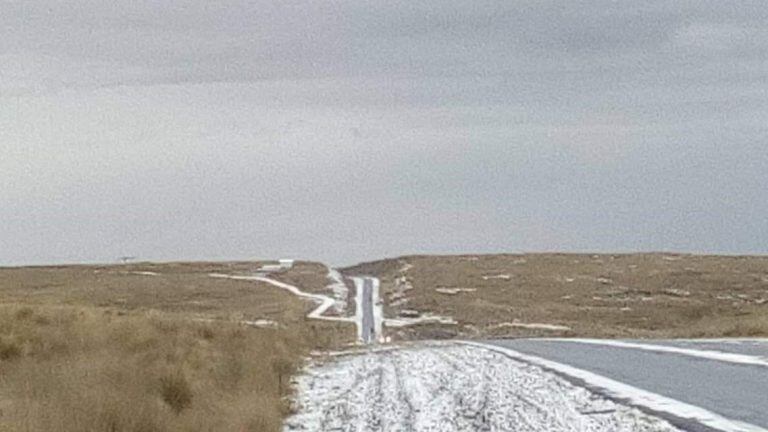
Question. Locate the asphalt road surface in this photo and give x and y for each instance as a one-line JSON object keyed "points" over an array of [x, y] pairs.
{"points": [[369, 327], [732, 390]]}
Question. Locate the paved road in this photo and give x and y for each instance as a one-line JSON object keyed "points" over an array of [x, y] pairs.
{"points": [[735, 391], [369, 327]]}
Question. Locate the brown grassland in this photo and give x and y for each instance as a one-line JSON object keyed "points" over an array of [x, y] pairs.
{"points": [[634, 295], [165, 347], [107, 348]]}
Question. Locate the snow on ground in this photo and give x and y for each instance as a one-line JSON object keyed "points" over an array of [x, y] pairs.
{"points": [[378, 310], [261, 323], [406, 266], [444, 388], [324, 301], [536, 326], [500, 276], [339, 289], [425, 318], [399, 295], [453, 291], [144, 273]]}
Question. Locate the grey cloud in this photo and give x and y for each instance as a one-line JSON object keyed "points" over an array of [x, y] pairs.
{"points": [[348, 130]]}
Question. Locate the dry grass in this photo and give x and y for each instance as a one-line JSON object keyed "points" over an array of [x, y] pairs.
{"points": [[640, 295], [106, 349]]}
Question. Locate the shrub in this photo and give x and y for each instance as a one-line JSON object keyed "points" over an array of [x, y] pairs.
{"points": [[176, 391], [9, 350], [24, 313], [206, 333], [283, 368]]}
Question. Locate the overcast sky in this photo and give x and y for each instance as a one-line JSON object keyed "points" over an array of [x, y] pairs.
{"points": [[349, 130]]}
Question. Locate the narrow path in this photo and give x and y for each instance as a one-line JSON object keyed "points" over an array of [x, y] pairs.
{"points": [[325, 302]]}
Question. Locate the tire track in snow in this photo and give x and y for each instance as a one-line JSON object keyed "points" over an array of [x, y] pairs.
{"points": [[452, 388]]}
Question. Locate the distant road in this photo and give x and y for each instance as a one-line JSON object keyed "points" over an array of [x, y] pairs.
{"points": [[737, 391], [367, 322]]}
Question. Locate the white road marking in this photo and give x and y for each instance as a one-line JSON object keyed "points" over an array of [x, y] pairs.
{"points": [[633, 395], [705, 354]]}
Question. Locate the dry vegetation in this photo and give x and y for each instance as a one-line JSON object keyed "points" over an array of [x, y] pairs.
{"points": [[114, 348], [639, 295]]}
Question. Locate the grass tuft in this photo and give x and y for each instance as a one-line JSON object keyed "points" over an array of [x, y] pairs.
{"points": [[9, 350], [98, 349], [176, 391]]}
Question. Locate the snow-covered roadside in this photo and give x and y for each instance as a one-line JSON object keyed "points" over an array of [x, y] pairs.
{"points": [[324, 301], [533, 326], [452, 387], [378, 310], [632, 395], [339, 290]]}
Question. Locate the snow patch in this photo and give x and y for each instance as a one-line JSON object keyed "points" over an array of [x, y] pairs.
{"points": [[261, 323], [325, 301], [339, 289], [426, 318], [144, 273], [452, 291], [378, 310], [500, 276], [537, 326], [399, 295], [406, 266]]}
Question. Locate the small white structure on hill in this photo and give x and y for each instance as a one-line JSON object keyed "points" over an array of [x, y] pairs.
{"points": [[282, 264]]}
